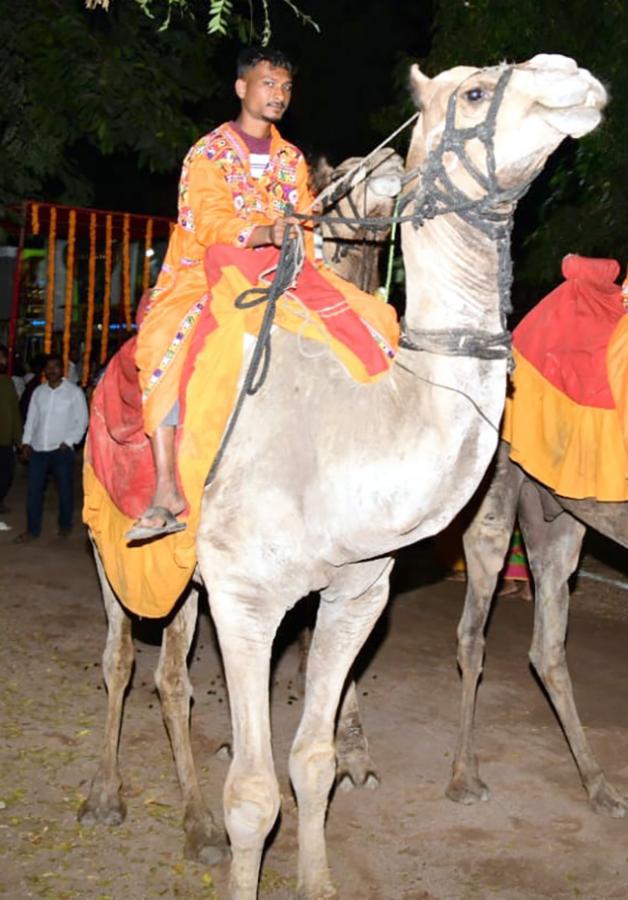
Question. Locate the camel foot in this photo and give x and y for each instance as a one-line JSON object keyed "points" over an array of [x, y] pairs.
{"points": [[205, 844], [605, 800], [323, 892], [467, 789], [102, 808], [347, 779]]}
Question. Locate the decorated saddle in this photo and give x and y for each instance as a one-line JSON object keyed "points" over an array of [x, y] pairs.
{"points": [[119, 477], [566, 417]]}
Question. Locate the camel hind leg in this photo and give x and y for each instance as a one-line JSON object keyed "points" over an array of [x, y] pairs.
{"points": [[104, 803], [204, 842], [486, 543], [553, 551], [347, 612]]}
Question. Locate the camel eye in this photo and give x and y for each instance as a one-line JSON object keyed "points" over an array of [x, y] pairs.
{"points": [[475, 95]]}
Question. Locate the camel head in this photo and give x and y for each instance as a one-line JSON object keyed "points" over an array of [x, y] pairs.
{"points": [[502, 123], [374, 185]]}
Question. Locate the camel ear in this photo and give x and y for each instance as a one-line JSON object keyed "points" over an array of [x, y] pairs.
{"points": [[321, 174], [418, 83]]}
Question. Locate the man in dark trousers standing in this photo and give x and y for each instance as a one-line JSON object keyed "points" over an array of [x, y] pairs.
{"points": [[56, 421]]}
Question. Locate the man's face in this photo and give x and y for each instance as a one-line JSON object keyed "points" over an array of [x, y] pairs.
{"points": [[53, 371], [265, 91], [4, 362]]}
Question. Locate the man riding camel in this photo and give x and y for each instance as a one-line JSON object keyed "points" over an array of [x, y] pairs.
{"points": [[238, 186]]}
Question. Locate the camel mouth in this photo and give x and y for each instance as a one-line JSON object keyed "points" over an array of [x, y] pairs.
{"points": [[574, 122]]}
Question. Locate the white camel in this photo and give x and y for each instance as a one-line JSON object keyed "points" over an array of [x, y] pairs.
{"points": [[372, 189], [325, 478]]}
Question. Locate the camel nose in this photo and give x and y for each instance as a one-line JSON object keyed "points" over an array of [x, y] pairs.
{"points": [[385, 185]]}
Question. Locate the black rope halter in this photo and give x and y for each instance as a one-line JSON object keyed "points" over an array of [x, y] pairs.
{"points": [[492, 212]]}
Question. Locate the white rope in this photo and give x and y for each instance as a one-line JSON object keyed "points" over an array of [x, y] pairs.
{"points": [[360, 167], [614, 581]]}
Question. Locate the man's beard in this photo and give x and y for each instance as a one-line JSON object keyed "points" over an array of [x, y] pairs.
{"points": [[278, 115]]}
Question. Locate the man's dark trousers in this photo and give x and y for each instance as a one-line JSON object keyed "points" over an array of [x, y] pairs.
{"points": [[60, 463]]}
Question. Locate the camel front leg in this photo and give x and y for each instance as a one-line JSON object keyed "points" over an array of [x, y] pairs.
{"points": [[486, 543], [246, 628], [347, 613], [204, 842], [553, 552], [104, 803]]}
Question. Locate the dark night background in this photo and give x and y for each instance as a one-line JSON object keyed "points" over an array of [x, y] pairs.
{"points": [[100, 107]]}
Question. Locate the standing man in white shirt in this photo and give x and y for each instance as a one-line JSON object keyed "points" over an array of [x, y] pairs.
{"points": [[56, 421]]}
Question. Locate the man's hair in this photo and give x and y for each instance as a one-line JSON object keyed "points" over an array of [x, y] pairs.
{"points": [[53, 357], [249, 57]]}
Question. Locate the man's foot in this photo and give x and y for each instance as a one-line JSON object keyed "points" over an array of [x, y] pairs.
{"points": [[157, 521], [515, 587], [25, 538]]}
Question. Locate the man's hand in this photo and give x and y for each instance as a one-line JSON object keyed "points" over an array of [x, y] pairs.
{"points": [[264, 235], [278, 229], [26, 451]]}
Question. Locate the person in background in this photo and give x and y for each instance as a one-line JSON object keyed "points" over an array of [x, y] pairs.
{"points": [[10, 428], [56, 421]]}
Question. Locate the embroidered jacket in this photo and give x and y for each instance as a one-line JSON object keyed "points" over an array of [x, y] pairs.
{"points": [[221, 203]]}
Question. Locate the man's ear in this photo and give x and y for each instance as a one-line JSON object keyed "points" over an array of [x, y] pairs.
{"points": [[240, 88]]}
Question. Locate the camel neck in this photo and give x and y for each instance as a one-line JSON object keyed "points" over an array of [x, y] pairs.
{"points": [[452, 276]]}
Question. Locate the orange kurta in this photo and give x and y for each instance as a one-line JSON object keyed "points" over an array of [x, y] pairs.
{"points": [[219, 203]]}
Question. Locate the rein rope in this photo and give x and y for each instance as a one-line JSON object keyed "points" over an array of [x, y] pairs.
{"points": [[290, 263]]}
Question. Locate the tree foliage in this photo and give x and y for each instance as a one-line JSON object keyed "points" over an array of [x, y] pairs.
{"points": [[580, 203], [79, 81], [105, 81]]}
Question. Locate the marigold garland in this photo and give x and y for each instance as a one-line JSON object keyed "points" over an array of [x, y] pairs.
{"points": [[106, 300], [69, 290], [35, 218], [148, 246], [91, 289], [126, 270], [50, 281]]}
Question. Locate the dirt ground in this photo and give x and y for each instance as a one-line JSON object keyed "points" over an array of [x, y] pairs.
{"points": [[536, 837]]}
